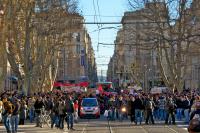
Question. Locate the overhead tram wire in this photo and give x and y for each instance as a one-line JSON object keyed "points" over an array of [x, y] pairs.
{"points": [[99, 14], [138, 22], [97, 23], [95, 14], [106, 16]]}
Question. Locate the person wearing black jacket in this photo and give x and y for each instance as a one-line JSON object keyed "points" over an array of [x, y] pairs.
{"points": [[138, 105], [186, 107], [70, 110], [170, 108], [131, 109], [149, 106], [39, 104], [55, 114], [15, 116], [179, 109]]}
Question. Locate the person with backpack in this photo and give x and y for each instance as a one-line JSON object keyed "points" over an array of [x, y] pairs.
{"points": [[170, 109], [39, 104], [149, 106], [70, 111]]}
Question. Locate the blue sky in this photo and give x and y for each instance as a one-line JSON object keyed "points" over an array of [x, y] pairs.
{"points": [[109, 11]]}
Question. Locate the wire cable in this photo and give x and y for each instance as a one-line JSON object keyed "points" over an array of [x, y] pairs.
{"points": [[95, 13]]}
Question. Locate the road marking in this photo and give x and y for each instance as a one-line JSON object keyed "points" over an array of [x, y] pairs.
{"points": [[171, 129], [146, 131], [84, 128], [110, 128]]}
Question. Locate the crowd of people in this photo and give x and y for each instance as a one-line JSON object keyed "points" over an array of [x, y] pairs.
{"points": [[16, 109]]}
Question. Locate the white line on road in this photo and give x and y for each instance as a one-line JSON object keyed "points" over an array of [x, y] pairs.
{"points": [[111, 130], [171, 129], [109, 127], [146, 131], [84, 128]]}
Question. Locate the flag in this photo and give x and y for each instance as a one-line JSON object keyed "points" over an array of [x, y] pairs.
{"points": [[100, 88], [82, 58]]}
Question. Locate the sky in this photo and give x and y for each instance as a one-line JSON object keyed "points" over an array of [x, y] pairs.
{"points": [[103, 11]]}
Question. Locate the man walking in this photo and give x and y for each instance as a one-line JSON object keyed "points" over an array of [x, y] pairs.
{"points": [[171, 107], [149, 108], [7, 114], [70, 112], [15, 116]]}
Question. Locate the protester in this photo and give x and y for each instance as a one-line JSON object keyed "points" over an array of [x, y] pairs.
{"points": [[70, 111], [31, 108], [171, 108], [149, 105], [22, 116], [7, 114], [55, 114], [15, 115], [61, 109], [39, 104], [65, 106], [138, 109]]}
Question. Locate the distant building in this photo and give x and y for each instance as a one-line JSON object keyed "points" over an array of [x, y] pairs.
{"points": [[134, 59], [77, 59]]}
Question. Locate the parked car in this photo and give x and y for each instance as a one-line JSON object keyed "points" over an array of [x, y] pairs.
{"points": [[89, 108]]}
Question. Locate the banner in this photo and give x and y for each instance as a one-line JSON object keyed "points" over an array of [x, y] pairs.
{"points": [[83, 58]]}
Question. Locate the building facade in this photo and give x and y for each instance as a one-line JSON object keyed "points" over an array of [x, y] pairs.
{"points": [[137, 57], [77, 59]]}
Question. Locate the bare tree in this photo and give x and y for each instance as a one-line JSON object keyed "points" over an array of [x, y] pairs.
{"points": [[174, 33], [33, 37]]}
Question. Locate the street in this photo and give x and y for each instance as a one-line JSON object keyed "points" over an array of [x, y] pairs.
{"points": [[102, 126]]}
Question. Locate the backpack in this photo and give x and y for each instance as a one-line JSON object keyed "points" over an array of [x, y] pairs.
{"points": [[149, 104], [8, 108], [171, 105]]}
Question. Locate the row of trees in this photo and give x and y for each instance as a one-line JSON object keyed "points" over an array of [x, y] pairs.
{"points": [[32, 33], [173, 35]]}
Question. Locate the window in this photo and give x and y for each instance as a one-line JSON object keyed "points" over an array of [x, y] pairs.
{"points": [[78, 37], [78, 48]]}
